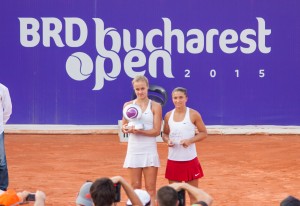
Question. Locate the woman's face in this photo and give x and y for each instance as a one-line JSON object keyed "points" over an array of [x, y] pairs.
{"points": [[179, 99], [140, 89]]}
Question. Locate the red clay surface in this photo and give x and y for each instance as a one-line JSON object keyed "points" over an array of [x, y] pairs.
{"points": [[239, 170]]}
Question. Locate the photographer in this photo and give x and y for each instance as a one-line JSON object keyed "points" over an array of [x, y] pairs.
{"points": [[103, 191], [290, 201], [11, 197], [168, 195]]}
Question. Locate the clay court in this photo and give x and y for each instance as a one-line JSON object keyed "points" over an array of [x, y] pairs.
{"points": [[240, 170]]}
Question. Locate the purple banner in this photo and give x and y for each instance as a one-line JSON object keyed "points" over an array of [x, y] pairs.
{"points": [[72, 62]]}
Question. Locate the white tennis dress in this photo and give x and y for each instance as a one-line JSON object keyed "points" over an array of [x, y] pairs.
{"points": [[184, 129], [142, 150]]}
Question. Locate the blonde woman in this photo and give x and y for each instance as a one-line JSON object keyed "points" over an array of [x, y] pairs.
{"points": [[142, 158]]}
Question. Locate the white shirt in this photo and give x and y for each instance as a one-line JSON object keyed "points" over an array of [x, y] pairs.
{"points": [[5, 106], [142, 150], [184, 129], [139, 144]]}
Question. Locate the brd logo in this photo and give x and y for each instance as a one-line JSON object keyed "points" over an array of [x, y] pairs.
{"points": [[108, 65]]}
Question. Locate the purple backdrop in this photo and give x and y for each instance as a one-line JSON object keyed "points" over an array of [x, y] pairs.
{"points": [[71, 62]]}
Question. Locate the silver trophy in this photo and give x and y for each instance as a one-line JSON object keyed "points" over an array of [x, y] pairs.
{"points": [[133, 113]]}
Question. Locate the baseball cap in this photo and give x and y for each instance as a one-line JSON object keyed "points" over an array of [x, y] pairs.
{"points": [[84, 196], [143, 195]]}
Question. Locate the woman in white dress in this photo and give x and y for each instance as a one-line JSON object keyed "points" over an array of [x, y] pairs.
{"points": [[142, 157]]}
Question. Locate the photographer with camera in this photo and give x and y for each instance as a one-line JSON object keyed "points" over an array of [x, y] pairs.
{"points": [[106, 191], [11, 197], [173, 195]]}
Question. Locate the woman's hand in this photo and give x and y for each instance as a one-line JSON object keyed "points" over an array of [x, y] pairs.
{"points": [[127, 129], [170, 143], [185, 143]]}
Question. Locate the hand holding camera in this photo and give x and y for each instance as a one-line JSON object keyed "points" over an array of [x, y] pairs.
{"points": [[118, 192], [38, 197], [30, 197], [121, 182], [117, 183], [198, 194], [181, 197]]}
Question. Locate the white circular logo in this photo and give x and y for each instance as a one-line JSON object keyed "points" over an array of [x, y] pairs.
{"points": [[132, 112], [79, 66]]}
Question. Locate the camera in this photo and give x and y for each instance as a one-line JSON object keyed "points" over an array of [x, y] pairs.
{"points": [[30, 197], [181, 197], [117, 192]]}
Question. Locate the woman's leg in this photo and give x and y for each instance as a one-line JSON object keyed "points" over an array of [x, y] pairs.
{"points": [[135, 175], [150, 175], [3, 165], [195, 184], [172, 181]]}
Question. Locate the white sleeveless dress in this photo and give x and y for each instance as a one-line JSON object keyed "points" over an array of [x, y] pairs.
{"points": [[178, 131], [142, 150]]}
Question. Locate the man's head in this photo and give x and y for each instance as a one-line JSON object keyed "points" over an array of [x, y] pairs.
{"points": [[290, 201], [103, 192], [167, 196], [84, 196]]}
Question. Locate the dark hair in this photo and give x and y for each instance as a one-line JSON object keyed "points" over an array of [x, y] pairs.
{"points": [[103, 192], [167, 196], [290, 201], [180, 89]]}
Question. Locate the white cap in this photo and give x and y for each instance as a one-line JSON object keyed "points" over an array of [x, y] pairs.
{"points": [[143, 195], [84, 196]]}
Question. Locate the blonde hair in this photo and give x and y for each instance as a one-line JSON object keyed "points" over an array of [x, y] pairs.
{"points": [[140, 78]]}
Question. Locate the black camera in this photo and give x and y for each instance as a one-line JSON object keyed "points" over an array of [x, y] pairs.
{"points": [[181, 197], [117, 192], [30, 197]]}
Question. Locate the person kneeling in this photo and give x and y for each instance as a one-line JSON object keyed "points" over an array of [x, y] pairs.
{"points": [[168, 195]]}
